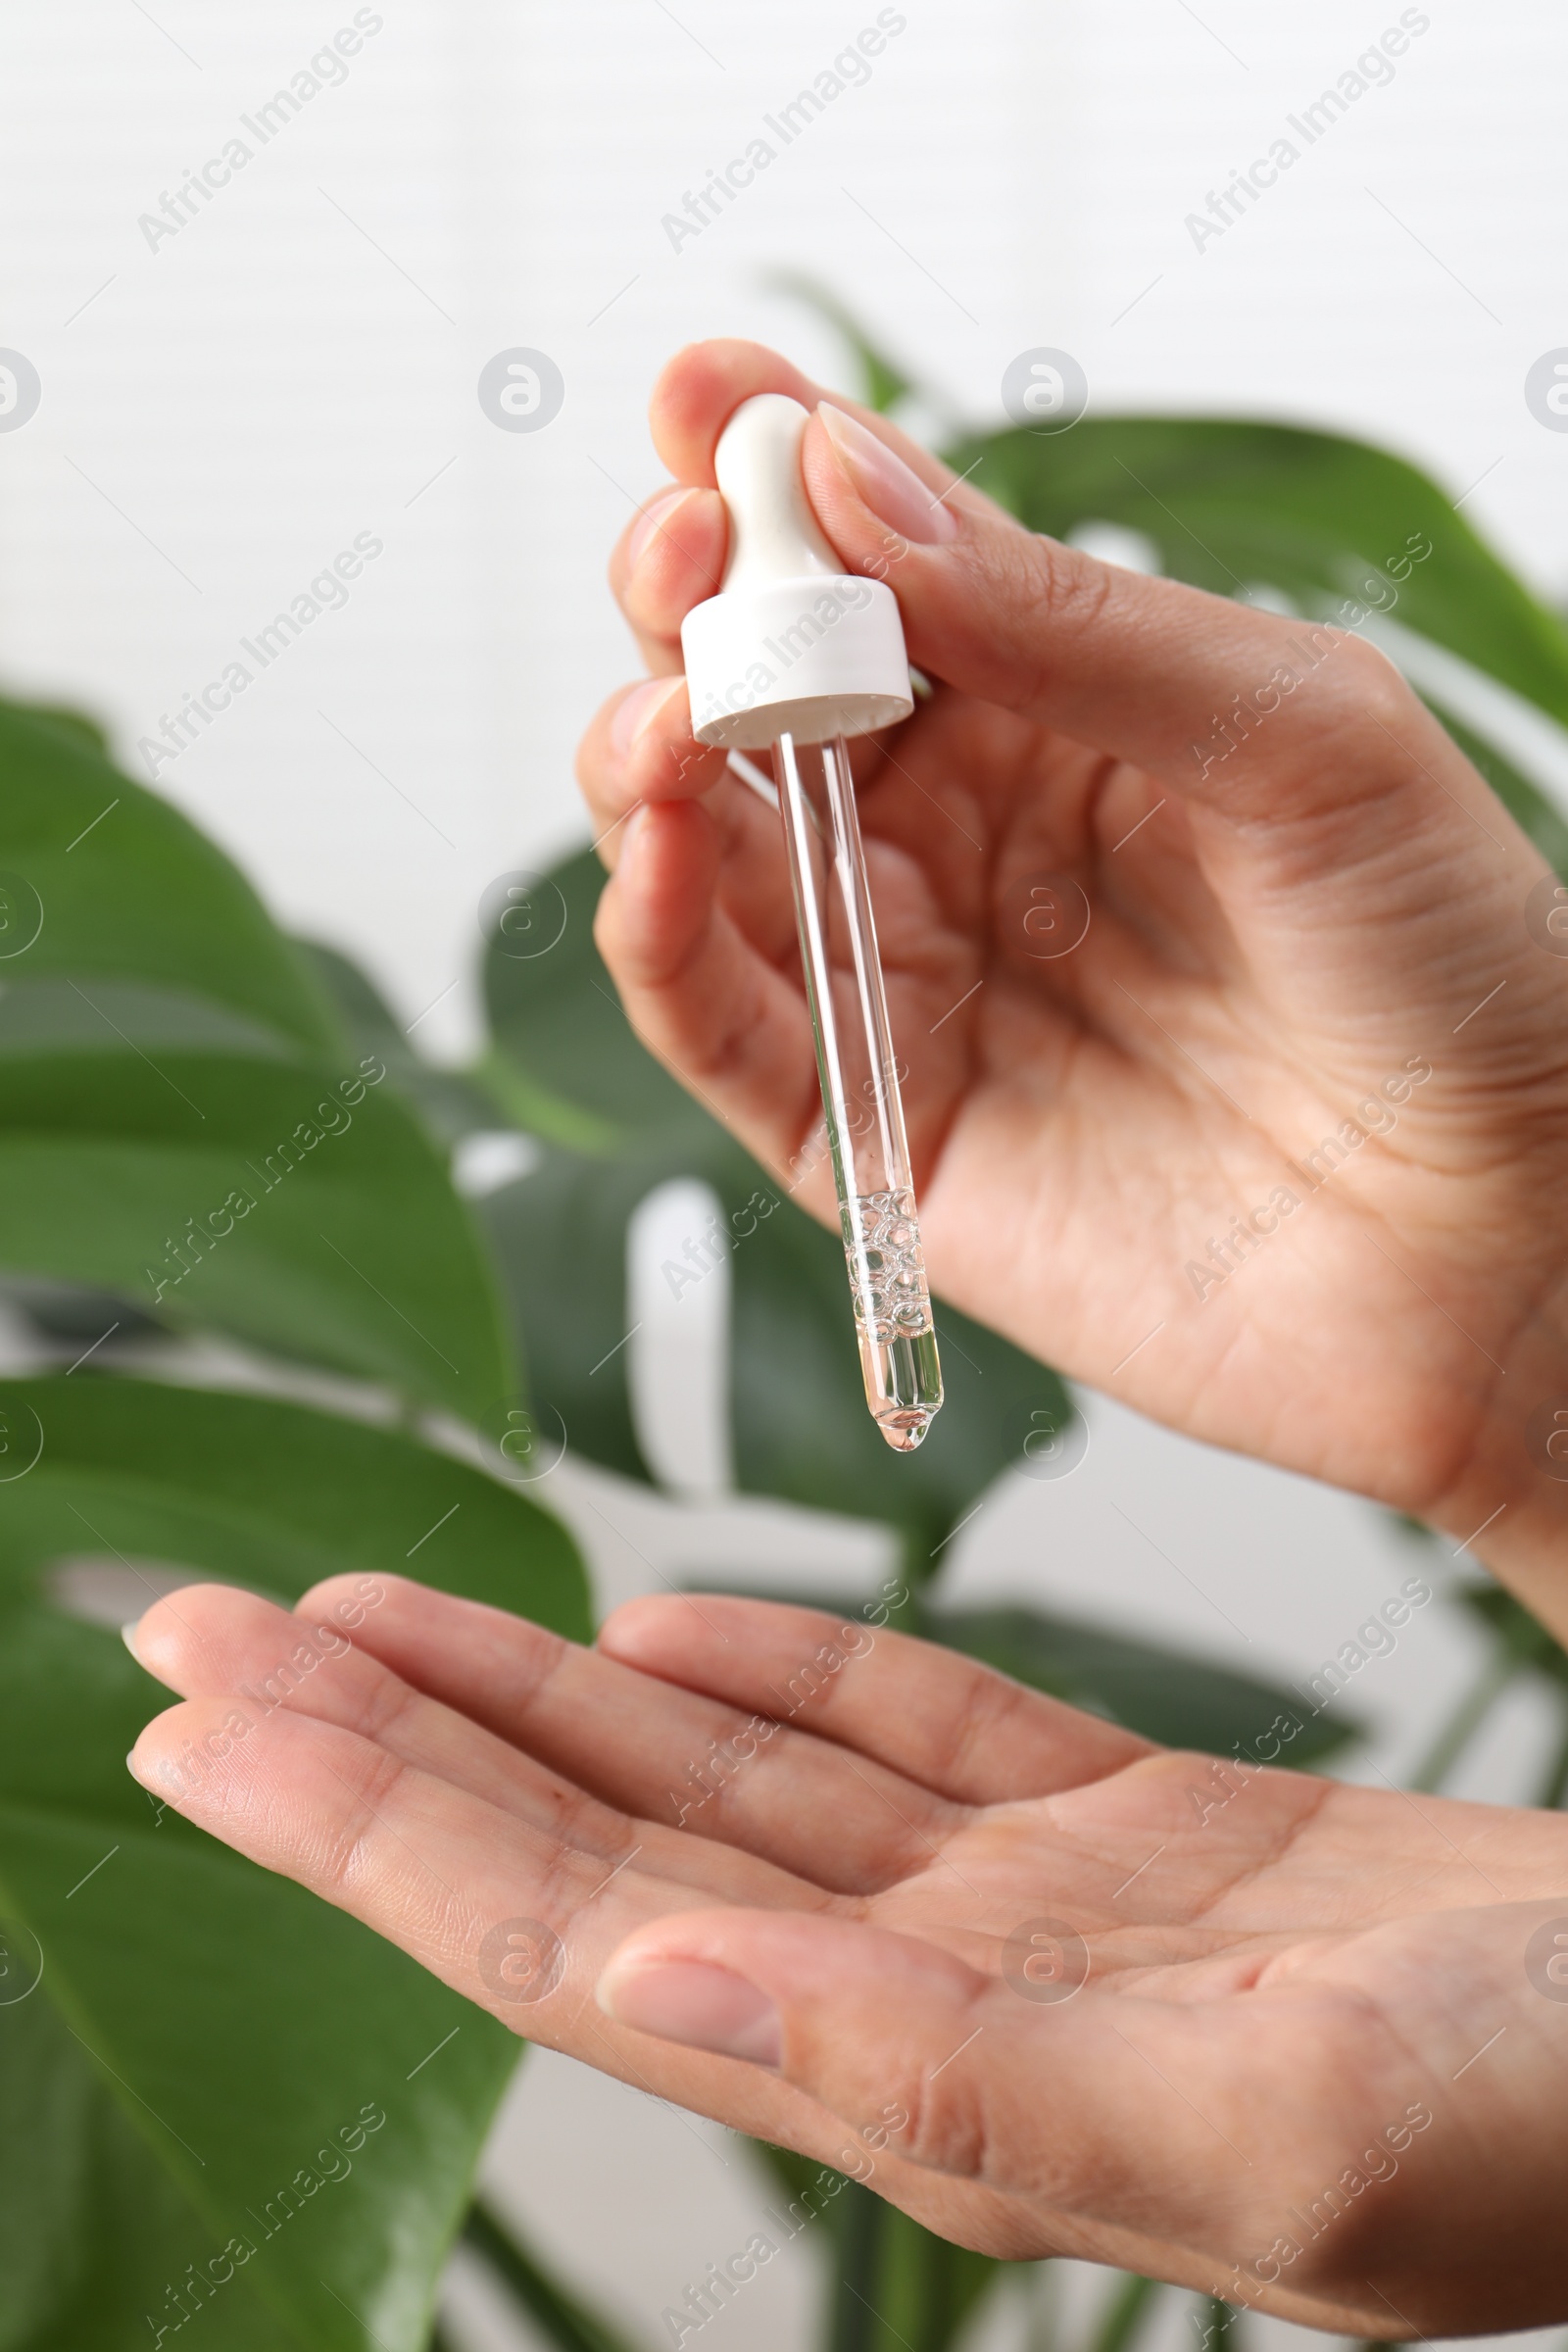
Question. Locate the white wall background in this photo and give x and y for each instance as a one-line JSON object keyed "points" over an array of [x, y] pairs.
{"points": [[222, 414]]}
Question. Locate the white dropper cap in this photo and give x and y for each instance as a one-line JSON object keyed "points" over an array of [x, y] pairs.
{"points": [[792, 644]]}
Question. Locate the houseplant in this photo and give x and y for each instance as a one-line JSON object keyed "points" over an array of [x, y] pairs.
{"points": [[282, 1345]]}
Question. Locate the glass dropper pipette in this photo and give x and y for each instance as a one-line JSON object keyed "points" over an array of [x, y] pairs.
{"points": [[861, 1104], [794, 656]]}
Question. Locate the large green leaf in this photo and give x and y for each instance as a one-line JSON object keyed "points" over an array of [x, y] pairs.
{"points": [[559, 1238], [168, 1055], [355, 1253], [129, 889], [1523, 1637], [568, 1061], [559, 2315], [1231, 505], [92, 2235], [201, 2031], [450, 1101]]}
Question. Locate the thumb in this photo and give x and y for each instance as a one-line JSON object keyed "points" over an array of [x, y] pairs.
{"points": [[1236, 708], [933, 2061]]}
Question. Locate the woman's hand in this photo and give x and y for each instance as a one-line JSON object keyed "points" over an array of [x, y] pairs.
{"points": [[1278, 1150], [1047, 1987]]}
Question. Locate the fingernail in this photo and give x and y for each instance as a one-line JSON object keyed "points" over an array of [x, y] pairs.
{"points": [[130, 1767], [650, 523], [692, 2002], [127, 1635], [639, 709], [887, 485]]}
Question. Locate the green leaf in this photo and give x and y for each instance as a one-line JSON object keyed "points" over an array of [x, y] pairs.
{"points": [[450, 1101], [75, 725], [556, 2313], [559, 1238], [130, 891], [48, 2119], [202, 2033], [1126, 2313], [913, 2288], [559, 1027], [894, 2283], [43, 1013], [91, 2235], [1231, 504], [1521, 1637], [354, 1252]]}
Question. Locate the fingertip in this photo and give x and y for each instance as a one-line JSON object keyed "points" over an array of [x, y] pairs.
{"points": [[671, 559], [657, 904], [701, 388], [331, 1591], [156, 1769], [654, 518], [639, 1628], [149, 1643], [152, 1762], [657, 1632], [340, 1604], [640, 708], [648, 750], [166, 1638]]}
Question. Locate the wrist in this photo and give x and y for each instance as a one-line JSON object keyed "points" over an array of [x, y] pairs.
{"points": [[1509, 1508]]}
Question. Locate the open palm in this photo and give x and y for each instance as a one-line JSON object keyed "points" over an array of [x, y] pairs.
{"points": [[1049, 1989], [1236, 1083]]}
